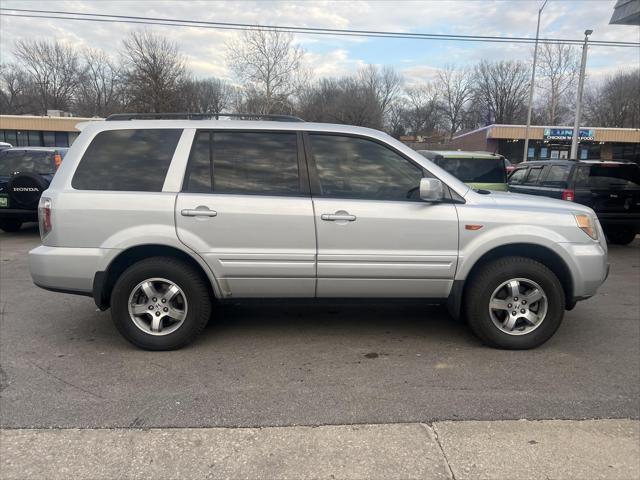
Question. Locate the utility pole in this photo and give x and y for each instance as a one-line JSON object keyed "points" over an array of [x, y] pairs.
{"points": [[532, 86], [576, 124]]}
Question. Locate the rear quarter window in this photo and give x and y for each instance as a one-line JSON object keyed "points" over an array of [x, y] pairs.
{"points": [[134, 160]]}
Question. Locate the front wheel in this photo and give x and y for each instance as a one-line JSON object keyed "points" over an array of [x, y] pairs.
{"points": [[160, 303], [514, 303]]}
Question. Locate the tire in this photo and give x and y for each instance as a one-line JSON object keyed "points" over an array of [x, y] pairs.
{"points": [[490, 325], [621, 236], [10, 225], [192, 303]]}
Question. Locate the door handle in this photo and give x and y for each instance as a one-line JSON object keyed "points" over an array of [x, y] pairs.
{"points": [[336, 217], [198, 212]]}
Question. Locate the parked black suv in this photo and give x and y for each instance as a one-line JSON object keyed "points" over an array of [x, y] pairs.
{"points": [[24, 174], [611, 188]]}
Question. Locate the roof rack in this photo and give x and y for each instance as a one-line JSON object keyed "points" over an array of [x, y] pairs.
{"points": [[201, 116]]}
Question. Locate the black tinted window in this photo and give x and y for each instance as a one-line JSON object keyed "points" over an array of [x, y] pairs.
{"points": [[534, 174], [26, 161], [351, 167], [557, 176], [127, 160], [474, 169], [199, 176], [609, 176], [247, 163]]}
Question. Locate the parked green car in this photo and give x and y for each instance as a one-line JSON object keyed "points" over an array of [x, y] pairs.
{"points": [[479, 170]]}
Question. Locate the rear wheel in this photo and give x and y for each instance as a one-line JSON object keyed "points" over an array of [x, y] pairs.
{"points": [[621, 236], [160, 303], [10, 225], [514, 303]]}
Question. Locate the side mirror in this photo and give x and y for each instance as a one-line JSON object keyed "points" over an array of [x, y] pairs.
{"points": [[431, 190]]}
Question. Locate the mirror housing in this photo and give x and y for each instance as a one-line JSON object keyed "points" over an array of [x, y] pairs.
{"points": [[431, 190]]}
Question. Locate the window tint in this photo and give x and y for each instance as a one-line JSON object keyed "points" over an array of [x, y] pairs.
{"points": [[351, 167], [127, 160], [517, 176], [255, 163], [534, 174], [609, 176], [491, 170], [557, 176], [199, 178], [26, 161]]}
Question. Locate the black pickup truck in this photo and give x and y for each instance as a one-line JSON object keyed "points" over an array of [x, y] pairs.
{"points": [[25, 172], [611, 188]]}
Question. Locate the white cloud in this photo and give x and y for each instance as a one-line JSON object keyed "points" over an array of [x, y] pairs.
{"points": [[334, 55]]}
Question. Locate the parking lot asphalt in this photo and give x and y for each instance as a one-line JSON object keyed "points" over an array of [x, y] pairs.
{"points": [[63, 364]]}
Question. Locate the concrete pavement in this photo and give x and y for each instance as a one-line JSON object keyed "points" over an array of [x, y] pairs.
{"points": [[515, 450]]}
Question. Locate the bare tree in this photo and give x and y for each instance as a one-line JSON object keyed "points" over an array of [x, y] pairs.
{"points": [[205, 95], [54, 71], [456, 88], [100, 92], [501, 90], [559, 67], [422, 114], [266, 61], [17, 92], [154, 70], [615, 101], [384, 82]]}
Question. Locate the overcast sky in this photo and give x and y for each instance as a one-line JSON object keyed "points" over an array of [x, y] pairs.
{"points": [[329, 56]]}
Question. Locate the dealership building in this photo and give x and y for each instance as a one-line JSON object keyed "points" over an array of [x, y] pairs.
{"points": [[34, 131], [552, 142]]}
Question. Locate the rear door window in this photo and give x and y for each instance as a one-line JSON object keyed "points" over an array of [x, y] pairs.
{"points": [[557, 176], [534, 175], [26, 161], [245, 163], [133, 160]]}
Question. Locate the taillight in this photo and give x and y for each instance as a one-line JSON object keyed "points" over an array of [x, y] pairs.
{"points": [[44, 216], [568, 195], [57, 160]]}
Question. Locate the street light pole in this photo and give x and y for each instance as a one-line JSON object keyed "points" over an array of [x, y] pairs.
{"points": [[576, 124], [531, 87]]}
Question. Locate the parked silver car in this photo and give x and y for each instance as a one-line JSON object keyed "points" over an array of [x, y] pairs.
{"points": [[156, 218]]}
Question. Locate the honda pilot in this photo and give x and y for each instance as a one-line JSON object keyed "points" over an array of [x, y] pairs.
{"points": [[158, 216]]}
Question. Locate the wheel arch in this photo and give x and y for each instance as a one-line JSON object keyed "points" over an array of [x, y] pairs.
{"points": [[105, 280], [540, 253]]}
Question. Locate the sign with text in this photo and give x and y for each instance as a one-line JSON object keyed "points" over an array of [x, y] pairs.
{"points": [[584, 135]]}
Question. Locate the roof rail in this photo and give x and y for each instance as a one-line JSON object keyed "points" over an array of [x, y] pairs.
{"points": [[201, 116]]}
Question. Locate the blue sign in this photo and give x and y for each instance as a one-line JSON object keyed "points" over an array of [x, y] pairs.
{"points": [[584, 134]]}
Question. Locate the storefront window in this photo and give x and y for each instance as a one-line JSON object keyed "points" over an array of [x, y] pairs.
{"points": [[49, 139]]}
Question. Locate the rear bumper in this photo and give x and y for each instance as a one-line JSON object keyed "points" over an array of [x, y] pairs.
{"points": [[19, 214], [69, 270]]}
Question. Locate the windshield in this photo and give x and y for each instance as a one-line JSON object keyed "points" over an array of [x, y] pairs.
{"points": [[609, 176], [26, 161], [475, 170]]}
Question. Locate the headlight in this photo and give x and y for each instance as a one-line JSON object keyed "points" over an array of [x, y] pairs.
{"points": [[586, 224]]}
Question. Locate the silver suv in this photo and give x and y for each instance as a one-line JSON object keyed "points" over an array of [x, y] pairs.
{"points": [[156, 218]]}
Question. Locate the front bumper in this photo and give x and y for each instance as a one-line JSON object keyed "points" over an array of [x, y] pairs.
{"points": [[589, 267], [69, 270]]}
